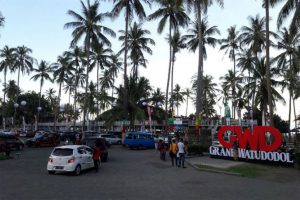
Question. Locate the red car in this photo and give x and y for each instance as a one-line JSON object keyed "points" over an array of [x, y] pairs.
{"points": [[43, 139]]}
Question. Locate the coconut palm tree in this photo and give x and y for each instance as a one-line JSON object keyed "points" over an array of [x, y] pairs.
{"points": [[51, 98], [88, 26], [290, 7], [23, 61], [178, 43], [187, 93], [106, 80], [288, 42], [43, 73], [231, 46], [231, 82], [12, 90], [137, 44], [7, 63], [131, 7], [171, 11], [177, 97], [114, 67], [200, 7], [2, 20], [257, 86]]}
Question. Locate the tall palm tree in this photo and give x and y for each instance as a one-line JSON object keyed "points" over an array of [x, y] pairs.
{"points": [[171, 11], [23, 61], [200, 7], [178, 43], [130, 7], [7, 63], [62, 71], [43, 73], [177, 97], [88, 26], [257, 86], [187, 93], [51, 98], [137, 44], [114, 67], [231, 46], [106, 80], [288, 42]]}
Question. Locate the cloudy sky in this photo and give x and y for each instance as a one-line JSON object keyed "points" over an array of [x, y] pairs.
{"points": [[39, 25]]}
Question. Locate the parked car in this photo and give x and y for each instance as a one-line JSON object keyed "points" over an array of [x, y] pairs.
{"points": [[69, 136], [90, 141], [70, 158], [43, 139], [139, 140], [116, 133], [11, 142], [111, 139]]}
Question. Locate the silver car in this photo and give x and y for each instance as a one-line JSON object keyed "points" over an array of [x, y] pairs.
{"points": [[70, 158]]}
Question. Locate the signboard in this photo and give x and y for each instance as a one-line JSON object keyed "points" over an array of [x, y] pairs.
{"points": [[252, 145], [177, 121]]}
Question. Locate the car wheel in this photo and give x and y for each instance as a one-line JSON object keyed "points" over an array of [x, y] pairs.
{"points": [[51, 172], [77, 170]]}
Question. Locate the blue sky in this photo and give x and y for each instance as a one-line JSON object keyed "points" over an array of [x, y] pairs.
{"points": [[38, 24]]}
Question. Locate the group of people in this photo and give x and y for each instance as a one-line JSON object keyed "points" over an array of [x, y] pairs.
{"points": [[177, 151]]}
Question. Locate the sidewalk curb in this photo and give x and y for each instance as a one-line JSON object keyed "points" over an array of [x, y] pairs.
{"points": [[213, 170]]}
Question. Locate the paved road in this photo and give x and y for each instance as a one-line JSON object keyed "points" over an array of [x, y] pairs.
{"points": [[130, 174]]}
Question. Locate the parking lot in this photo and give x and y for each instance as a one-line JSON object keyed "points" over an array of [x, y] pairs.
{"points": [[129, 174]]}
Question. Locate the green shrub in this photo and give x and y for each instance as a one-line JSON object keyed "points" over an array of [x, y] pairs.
{"points": [[197, 149]]}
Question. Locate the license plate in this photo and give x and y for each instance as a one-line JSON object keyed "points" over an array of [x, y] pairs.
{"points": [[59, 167]]}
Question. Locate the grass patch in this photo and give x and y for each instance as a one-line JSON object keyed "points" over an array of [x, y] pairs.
{"points": [[245, 171]]}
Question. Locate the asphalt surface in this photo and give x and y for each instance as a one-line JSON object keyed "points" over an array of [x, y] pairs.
{"points": [[130, 174]]}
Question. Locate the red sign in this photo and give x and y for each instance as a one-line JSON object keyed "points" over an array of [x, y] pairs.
{"points": [[256, 139]]}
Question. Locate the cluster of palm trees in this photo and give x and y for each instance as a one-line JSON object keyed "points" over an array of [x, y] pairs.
{"points": [[248, 49]]}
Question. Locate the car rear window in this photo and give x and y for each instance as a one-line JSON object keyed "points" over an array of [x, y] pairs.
{"points": [[62, 152]]}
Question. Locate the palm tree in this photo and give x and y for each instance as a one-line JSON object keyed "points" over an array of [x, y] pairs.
{"points": [[200, 7], [62, 71], [7, 63], [231, 83], [288, 43], [137, 44], [172, 11], [290, 6], [187, 92], [178, 43], [88, 26], [105, 80], [50, 97], [12, 90], [2, 20], [114, 68], [23, 61], [177, 97], [130, 7], [43, 72], [257, 86], [231, 46]]}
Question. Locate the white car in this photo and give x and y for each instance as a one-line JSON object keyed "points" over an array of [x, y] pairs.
{"points": [[70, 158], [111, 139]]}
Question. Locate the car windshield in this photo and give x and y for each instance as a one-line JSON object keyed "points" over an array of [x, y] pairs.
{"points": [[62, 152]]}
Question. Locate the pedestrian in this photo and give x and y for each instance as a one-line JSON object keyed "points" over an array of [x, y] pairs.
{"points": [[235, 147], [162, 150], [181, 153], [173, 152], [96, 155], [77, 139]]}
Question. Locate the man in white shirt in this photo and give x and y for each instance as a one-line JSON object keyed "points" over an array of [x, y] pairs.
{"points": [[181, 152]]}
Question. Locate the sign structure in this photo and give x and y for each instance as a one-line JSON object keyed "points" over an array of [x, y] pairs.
{"points": [[252, 145]]}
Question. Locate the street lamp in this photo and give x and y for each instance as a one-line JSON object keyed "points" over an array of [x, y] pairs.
{"points": [[23, 104], [39, 108], [16, 105]]}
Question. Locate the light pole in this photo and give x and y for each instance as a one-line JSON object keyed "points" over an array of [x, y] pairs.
{"points": [[23, 104], [39, 108], [96, 108], [16, 105]]}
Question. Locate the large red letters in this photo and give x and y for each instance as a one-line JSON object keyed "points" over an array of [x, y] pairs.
{"points": [[256, 140]]}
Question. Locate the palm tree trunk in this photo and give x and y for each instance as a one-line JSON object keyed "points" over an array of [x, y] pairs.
{"points": [[234, 86], [199, 103], [19, 78], [168, 80], [57, 106], [268, 64], [290, 109], [87, 83], [172, 78], [38, 113], [4, 93], [295, 116], [187, 104], [125, 61]]}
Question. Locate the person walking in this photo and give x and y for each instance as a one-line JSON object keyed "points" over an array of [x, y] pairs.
{"points": [[162, 150], [173, 151], [181, 152], [96, 155]]}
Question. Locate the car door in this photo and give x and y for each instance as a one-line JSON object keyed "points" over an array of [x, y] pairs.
{"points": [[89, 157], [82, 160]]}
